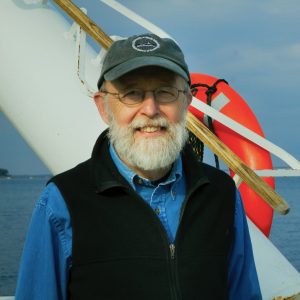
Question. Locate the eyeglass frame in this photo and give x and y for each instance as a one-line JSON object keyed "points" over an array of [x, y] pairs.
{"points": [[118, 95]]}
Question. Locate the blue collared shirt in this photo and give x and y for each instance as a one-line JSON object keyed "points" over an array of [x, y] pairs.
{"points": [[47, 253], [164, 197]]}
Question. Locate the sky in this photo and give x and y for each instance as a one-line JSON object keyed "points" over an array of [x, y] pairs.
{"points": [[254, 45]]}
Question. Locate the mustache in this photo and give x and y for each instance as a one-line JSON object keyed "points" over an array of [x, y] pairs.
{"points": [[155, 122]]}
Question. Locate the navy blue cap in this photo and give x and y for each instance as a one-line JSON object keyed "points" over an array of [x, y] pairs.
{"points": [[141, 51]]}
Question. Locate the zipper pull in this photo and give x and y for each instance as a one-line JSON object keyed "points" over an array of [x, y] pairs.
{"points": [[172, 251]]}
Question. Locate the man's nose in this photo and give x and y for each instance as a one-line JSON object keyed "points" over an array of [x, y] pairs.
{"points": [[149, 106]]}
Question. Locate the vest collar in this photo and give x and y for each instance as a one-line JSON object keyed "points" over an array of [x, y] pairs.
{"points": [[104, 171], [193, 170], [106, 175]]}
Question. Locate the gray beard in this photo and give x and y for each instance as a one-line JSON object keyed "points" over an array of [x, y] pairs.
{"points": [[149, 153]]}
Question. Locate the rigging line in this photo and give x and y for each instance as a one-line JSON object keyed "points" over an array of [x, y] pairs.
{"points": [[278, 173], [136, 18]]}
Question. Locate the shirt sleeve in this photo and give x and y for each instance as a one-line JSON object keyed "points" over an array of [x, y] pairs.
{"points": [[46, 256], [242, 276]]}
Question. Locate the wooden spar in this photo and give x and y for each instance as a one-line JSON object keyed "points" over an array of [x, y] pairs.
{"points": [[236, 164], [193, 124], [88, 25]]}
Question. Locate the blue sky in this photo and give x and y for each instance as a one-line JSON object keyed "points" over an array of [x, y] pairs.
{"points": [[254, 45]]}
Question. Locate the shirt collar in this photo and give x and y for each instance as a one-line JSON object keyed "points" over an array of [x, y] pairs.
{"points": [[174, 176]]}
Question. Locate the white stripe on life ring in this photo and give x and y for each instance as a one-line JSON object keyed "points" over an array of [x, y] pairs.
{"points": [[247, 133], [218, 103]]}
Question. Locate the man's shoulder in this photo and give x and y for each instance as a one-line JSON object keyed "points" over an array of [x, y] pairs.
{"points": [[75, 174], [73, 182]]}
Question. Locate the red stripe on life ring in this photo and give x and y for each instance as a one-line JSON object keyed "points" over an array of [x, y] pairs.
{"points": [[253, 155]]}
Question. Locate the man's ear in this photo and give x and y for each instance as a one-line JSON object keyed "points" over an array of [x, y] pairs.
{"points": [[99, 101]]}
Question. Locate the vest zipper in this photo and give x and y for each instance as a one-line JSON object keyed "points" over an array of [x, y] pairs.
{"points": [[172, 251], [173, 270]]}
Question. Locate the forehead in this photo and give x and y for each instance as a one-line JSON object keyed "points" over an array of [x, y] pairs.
{"points": [[148, 76]]}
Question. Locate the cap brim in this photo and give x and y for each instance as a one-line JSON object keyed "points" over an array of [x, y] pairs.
{"points": [[139, 62]]}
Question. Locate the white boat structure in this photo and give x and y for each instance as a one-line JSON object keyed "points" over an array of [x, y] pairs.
{"points": [[45, 68]]}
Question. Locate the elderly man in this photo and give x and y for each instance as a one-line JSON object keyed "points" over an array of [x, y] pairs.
{"points": [[142, 218]]}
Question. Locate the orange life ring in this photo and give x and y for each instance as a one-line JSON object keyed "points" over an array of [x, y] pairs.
{"points": [[230, 103]]}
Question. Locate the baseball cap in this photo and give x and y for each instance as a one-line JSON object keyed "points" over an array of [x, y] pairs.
{"points": [[139, 51]]}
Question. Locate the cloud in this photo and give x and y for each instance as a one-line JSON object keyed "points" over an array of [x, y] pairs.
{"points": [[281, 7], [178, 11], [269, 64], [294, 51]]}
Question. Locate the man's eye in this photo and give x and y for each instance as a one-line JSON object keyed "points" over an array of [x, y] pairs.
{"points": [[132, 94], [166, 91]]}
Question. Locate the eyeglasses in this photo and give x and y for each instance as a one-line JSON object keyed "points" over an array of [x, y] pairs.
{"points": [[133, 97]]}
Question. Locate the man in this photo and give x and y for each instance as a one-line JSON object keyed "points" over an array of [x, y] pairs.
{"points": [[141, 219]]}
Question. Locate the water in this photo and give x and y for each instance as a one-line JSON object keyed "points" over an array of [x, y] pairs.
{"points": [[17, 199], [285, 233], [18, 195]]}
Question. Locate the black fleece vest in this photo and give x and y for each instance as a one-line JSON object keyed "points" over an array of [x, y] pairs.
{"points": [[121, 250]]}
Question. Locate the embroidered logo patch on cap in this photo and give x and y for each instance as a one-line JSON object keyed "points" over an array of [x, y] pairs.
{"points": [[145, 44]]}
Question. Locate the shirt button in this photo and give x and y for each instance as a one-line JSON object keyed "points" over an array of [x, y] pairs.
{"points": [[157, 211], [140, 181], [173, 193]]}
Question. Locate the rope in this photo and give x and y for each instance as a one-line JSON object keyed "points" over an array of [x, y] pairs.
{"points": [[197, 146], [210, 90]]}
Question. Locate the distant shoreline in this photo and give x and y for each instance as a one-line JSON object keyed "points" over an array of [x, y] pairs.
{"points": [[4, 173]]}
